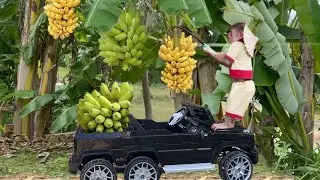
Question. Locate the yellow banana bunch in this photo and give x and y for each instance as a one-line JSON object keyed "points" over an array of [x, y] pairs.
{"points": [[62, 17], [106, 110], [179, 64], [123, 44]]}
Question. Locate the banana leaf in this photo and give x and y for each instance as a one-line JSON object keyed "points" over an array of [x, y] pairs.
{"points": [[267, 16], [213, 100], [36, 104], [25, 94], [104, 14], [263, 75], [237, 12], [66, 118], [198, 13], [172, 7]]}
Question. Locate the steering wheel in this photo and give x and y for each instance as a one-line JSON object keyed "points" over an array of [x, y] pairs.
{"points": [[178, 116]]}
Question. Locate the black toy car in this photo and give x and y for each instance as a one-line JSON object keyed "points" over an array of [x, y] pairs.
{"points": [[148, 148]]}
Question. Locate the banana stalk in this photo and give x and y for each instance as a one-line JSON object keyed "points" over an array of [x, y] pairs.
{"points": [[48, 79]]}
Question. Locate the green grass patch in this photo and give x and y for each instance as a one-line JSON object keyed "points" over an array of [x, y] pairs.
{"points": [[27, 162]]}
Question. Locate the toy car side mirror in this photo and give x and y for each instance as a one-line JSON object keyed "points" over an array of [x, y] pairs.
{"points": [[203, 134]]}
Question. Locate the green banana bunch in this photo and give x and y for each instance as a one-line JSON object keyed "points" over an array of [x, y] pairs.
{"points": [[106, 110], [123, 44]]}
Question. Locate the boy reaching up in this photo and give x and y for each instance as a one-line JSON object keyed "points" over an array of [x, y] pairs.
{"points": [[238, 60]]}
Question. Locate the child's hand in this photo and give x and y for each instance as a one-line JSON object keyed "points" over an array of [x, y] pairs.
{"points": [[207, 49]]}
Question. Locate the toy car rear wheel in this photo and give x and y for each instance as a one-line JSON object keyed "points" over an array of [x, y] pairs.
{"points": [[98, 169], [235, 165], [142, 168]]}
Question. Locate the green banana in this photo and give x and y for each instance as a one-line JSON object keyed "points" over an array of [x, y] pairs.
{"points": [[105, 102], [95, 94], [129, 19], [87, 106], [92, 125], [140, 29], [115, 107], [100, 119], [130, 33], [109, 130], [100, 128], [106, 112], [94, 112], [117, 124], [89, 98], [86, 117], [135, 39], [143, 37], [115, 90], [124, 104], [121, 36], [139, 54], [124, 112], [134, 52], [129, 44], [123, 26], [128, 55], [108, 123], [104, 90], [116, 116], [114, 31]]}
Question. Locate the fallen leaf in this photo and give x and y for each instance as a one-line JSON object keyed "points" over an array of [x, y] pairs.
{"points": [[43, 156]]}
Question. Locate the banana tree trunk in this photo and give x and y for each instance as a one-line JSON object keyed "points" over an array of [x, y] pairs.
{"points": [[307, 81], [147, 95], [43, 117], [27, 73]]}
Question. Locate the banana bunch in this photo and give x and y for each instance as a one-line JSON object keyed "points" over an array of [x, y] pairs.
{"points": [[62, 17], [179, 64], [122, 45], [107, 110]]}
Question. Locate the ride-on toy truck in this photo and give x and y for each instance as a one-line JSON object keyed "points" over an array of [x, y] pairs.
{"points": [[148, 148]]}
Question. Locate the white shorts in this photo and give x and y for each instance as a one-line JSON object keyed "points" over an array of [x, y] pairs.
{"points": [[239, 98]]}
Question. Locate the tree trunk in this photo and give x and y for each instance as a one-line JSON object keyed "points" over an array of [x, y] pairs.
{"points": [[146, 95], [43, 118], [307, 80], [27, 73]]}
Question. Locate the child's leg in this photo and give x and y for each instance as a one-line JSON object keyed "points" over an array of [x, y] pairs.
{"points": [[237, 103]]}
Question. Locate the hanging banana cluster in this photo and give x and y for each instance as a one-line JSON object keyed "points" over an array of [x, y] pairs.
{"points": [[179, 63], [122, 45], [62, 17]]}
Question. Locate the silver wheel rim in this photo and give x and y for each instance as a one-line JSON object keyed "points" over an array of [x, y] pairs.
{"points": [[98, 172], [143, 171], [239, 168]]}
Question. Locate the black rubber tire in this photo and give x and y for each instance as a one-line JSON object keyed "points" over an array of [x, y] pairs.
{"points": [[98, 162], [223, 166], [140, 159]]}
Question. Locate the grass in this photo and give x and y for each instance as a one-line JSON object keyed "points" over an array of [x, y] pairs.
{"points": [[162, 104], [27, 162]]}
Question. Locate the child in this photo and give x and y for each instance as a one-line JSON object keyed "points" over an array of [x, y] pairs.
{"points": [[238, 60]]}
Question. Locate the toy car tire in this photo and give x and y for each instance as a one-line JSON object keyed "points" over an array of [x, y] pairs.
{"points": [[151, 170], [235, 164], [95, 166]]}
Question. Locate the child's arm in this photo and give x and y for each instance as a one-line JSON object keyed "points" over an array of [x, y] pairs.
{"points": [[219, 56]]}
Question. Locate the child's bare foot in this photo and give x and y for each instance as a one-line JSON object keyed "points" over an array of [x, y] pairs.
{"points": [[227, 124]]}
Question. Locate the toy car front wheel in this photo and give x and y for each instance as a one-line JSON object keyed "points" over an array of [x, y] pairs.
{"points": [[142, 168], [235, 166], [98, 169]]}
